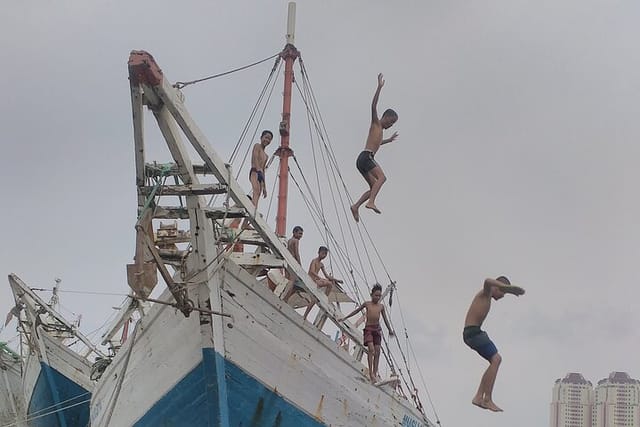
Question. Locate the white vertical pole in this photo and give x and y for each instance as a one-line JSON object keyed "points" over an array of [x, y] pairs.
{"points": [[291, 23]]}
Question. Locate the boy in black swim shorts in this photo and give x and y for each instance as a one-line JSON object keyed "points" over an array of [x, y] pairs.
{"points": [[479, 341], [370, 170]]}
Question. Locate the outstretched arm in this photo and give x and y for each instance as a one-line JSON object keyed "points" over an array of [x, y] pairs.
{"points": [[390, 139], [507, 289], [357, 310], [329, 276], [386, 322], [374, 103]]}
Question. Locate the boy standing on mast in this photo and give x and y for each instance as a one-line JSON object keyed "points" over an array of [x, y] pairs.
{"points": [[367, 166]]}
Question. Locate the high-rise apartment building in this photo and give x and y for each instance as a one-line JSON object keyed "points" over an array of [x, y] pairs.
{"points": [[617, 401], [572, 402]]}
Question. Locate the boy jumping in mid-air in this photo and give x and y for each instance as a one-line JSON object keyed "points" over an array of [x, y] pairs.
{"points": [[479, 341], [370, 170], [373, 330]]}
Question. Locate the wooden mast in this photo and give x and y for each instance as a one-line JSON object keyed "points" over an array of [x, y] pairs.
{"points": [[289, 54]]}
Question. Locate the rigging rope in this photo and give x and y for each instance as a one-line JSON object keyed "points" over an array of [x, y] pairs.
{"points": [[310, 107], [13, 424], [329, 148], [424, 384], [114, 396], [275, 70], [335, 177], [180, 85], [335, 181], [316, 210]]}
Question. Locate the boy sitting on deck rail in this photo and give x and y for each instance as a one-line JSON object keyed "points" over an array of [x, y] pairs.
{"points": [[326, 283], [373, 330]]}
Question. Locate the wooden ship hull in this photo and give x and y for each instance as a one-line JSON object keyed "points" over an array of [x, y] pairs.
{"points": [[266, 367], [56, 379], [219, 347]]}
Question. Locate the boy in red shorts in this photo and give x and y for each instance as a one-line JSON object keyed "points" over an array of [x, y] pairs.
{"points": [[373, 330]]}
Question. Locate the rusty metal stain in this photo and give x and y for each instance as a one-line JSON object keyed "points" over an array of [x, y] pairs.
{"points": [[345, 409], [318, 414], [278, 420], [256, 420]]}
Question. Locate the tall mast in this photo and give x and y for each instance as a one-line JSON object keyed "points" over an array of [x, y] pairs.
{"points": [[289, 54]]}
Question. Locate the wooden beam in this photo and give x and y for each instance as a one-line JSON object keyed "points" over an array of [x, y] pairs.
{"points": [[138, 131], [248, 259], [176, 212], [155, 170], [172, 99], [171, 134], [184, 190], [21, 289], [248, 237]]}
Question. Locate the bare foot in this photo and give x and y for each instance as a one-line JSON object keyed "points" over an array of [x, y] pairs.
{"points": [[354, 212], [492, 406], [373, 208], [479, 403]]}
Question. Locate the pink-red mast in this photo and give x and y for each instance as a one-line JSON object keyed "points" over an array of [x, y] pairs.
{"points": [[289, 54]]}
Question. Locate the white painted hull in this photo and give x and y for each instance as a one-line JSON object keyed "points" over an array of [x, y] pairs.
{"points": [[267, 345], [56, 385]]}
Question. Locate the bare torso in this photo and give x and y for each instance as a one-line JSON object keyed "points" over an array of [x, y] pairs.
{"points": [[373, 313], [292, 245], [478, 310], [374, 139], [314, 268], [259, 157]]}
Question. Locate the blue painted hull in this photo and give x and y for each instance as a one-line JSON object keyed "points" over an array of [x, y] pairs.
{"points": [[193, 402], [57, 401]]}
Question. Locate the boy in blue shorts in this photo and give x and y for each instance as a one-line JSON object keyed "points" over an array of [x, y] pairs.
{"points": [[479, 341]]}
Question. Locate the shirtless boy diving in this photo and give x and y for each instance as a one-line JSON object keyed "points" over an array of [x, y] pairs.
{"points": [[373, 330], [258, 165], [366, 164], [479, 341]]}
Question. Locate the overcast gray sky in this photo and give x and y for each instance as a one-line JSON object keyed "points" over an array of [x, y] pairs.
{"points": [[517, 155]]}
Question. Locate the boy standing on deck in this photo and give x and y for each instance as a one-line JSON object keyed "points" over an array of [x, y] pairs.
{"points": [[479, 341], [373, 330], [258, 165], [367, 166]]}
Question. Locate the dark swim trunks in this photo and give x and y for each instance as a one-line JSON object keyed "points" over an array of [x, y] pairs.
{"points": [[372, 333], [365, 162], [479, 341], [259, 174], [298, 286]]}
